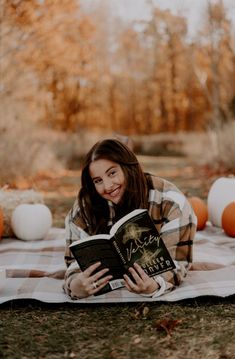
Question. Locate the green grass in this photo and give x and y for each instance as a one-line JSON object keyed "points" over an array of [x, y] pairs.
{"points": [[123, 331]]}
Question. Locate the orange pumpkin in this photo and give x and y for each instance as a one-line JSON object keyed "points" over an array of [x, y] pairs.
{"points": [[200, 210], [1, 223], [228, 219]]}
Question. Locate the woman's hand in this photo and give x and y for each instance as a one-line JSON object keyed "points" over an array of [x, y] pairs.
{"points": [[86, 283], [142, 283]]}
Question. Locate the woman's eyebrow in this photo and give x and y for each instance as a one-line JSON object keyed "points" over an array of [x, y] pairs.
{"points": [[110, 168], [96, 177]]}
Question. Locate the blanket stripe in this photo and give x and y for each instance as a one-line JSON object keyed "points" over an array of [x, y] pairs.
{"points": [[35, 270]]}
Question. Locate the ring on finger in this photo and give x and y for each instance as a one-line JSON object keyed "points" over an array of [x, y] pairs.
{"points": [[95, 285]]}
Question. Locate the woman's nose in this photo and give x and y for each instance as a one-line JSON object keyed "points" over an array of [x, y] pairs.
{"points": [[108, 183]]}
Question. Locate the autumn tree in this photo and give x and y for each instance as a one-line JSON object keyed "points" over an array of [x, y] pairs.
{"points": [[215, 65], [55, 47], [86, 68]]}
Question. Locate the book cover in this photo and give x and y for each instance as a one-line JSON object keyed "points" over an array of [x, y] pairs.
{"points": [[99, 248], [134, 238]]}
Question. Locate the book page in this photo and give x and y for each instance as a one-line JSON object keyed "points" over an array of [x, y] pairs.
{"points": [[91, 238], [124, 219]]}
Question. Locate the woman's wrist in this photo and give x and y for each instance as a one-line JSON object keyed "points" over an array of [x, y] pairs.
{"points": [[75, 291], [155, 286], [160, 287], [152, 289], [71, 287]]}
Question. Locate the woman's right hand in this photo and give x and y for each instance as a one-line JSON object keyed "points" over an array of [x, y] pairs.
{"points": [[87, 283]]}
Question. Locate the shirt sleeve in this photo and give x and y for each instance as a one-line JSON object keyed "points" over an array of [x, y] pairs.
{"points": [[74, 230], [176, 223]]}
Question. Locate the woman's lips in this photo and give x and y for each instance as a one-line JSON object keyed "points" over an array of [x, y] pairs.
{"points": [[115, 192]]}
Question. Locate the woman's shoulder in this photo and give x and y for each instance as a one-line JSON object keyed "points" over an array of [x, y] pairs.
{"points": [[161, 184], [74, 215]]}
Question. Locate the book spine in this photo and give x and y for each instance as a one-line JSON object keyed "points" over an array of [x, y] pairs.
{"points": [[119, 252]]}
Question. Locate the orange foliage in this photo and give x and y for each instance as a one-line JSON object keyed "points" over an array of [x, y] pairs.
{"points": [[79, 72]]}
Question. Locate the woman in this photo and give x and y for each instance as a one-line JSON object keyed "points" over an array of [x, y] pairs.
{"points": [[112, 185]]}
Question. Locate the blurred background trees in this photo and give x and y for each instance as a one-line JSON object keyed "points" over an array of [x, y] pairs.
{"points": [[72, 69]]}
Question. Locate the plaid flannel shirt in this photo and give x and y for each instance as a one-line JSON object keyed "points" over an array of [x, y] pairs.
{"points": [[174, 219]]}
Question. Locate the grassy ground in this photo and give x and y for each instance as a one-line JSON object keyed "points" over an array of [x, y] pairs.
{"points": [[201, 328]]}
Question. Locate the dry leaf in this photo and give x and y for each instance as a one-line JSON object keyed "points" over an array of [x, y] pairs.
{"points": [[145, 311], [141, 312], [137, 340], [167, 325]]}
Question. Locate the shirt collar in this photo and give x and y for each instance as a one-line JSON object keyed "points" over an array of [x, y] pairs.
{"points": [[111, 213]]}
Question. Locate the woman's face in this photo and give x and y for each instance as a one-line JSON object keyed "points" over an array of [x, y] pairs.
{"points": [[108, 178]]}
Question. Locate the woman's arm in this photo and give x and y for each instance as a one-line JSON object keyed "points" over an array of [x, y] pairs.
{"points": [[176, 222], [80, 284], [74, 230]]}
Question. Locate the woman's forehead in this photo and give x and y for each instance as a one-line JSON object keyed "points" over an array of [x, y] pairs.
{"points": [[99, 167]]}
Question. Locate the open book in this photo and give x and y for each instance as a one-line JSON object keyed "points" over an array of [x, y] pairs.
{"points": [[134, 238]]}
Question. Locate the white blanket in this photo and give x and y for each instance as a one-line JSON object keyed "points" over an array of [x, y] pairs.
{"points": [[34, 270]]}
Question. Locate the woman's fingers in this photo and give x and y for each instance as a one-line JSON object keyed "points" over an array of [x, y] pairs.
{"points": [[141, 282], [134, 284], [88, 272], [143, 275], [98, 275], [130, 285], [138, 274], [96, 286], [95, 282]]}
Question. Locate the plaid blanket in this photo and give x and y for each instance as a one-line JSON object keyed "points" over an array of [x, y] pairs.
{"points": [[35, 270]]}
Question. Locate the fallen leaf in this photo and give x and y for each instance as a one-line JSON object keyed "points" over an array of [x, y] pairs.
{"points": [[141, 312], [167, 325], [137, 340], [145, 311]]}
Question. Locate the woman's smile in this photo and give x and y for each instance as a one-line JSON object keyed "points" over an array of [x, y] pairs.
{"points": [[108, 179], [114, 192]]}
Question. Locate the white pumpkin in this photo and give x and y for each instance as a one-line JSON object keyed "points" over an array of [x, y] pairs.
{"points": [[31, 221], [221, 193]]}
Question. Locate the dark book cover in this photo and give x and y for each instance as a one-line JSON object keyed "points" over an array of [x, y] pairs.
{"points": [[134, 238], [137, 240], [88, 252]]}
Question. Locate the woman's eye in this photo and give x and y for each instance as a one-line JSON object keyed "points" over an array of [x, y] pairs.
{"points": [[97, 181], [112, 173]]}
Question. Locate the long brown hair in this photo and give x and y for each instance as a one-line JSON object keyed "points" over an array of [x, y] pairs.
{"points": [[93, 208]]}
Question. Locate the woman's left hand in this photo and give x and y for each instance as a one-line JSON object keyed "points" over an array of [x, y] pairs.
{"points": [[142, 284]]}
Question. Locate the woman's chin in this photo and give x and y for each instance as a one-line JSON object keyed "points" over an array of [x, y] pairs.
{"points": [[115, 200]]}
